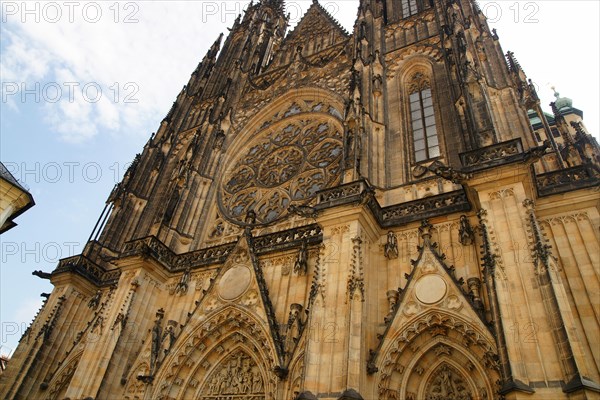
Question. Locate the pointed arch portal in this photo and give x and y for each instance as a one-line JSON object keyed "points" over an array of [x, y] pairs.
{"points": [[227, 356], [440, 358]]}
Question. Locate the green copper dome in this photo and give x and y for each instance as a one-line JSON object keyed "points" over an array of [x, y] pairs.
{"points": [[562, 102]]}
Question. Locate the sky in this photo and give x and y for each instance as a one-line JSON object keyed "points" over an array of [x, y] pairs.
{"points": [[84, 84]]}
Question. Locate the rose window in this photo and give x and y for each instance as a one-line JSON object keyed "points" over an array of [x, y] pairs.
{"points": [[292, 161]]}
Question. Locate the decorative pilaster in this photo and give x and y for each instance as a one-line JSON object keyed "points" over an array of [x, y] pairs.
{"points": [[544, 264], [356, 278], [509, 384]]}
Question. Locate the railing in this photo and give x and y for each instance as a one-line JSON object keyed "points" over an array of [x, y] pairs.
{"points": [[565, 180], [491, 155]]}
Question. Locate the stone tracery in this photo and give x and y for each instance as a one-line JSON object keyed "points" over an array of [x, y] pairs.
{"points": [[230, 343], [293, 159]]}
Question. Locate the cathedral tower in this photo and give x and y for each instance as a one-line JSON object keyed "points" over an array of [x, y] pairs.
{"points": [[384, 214]]}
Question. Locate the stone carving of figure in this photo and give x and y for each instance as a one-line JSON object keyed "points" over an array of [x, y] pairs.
{"points": [[294, 326], [250, 217], [465, 232], [447, 386], [391, 247], [392, 296], [170, 333], [245, 382], [218, 231], [213, 387], [301, 264], [182, 286], [257, 384], [95, 301], [156, 338], [219, 140]]}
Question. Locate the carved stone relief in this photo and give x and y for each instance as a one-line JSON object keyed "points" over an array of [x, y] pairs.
{"points": [[447, 384], [237, 377]]}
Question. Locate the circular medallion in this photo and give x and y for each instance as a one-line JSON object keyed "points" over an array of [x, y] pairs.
{"points": [[430, 289], [234, 282]]}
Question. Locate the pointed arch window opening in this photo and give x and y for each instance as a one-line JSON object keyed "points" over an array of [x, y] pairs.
{"points": [[409, 8], [425, 138]]}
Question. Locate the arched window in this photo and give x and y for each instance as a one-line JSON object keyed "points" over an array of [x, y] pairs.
{"points": [[409, 7], [425, 138]]}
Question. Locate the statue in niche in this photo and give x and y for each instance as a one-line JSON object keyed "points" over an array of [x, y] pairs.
{"points": [[391, 247], [182, 286], [301, 264], [465, 232]]}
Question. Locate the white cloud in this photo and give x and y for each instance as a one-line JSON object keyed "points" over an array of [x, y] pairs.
{"points": [[158, 53], [149, 61]]}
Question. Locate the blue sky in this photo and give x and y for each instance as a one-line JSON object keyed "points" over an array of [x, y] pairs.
{"points": [[124, 65]]}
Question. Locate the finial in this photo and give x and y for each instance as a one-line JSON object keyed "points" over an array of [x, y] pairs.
{"points": [[556, 94], [425, 230], [529, 205]]}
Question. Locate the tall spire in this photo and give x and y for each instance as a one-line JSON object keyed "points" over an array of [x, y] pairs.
{"points": [[214, 49]]}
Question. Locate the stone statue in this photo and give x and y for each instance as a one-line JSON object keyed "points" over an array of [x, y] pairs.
{"points": [[392, 296], [465, 232], [445, 385], [182, 286], [156, 339], [95, 301], [294, 326], [250, 217], [301, 264], [391, 247], [219, 140], [169, 333]]}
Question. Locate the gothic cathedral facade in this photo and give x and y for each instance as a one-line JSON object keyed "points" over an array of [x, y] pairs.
{"points": [[324, 214]]}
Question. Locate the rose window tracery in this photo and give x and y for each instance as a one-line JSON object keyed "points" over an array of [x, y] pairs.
{"points": [[293, 160]]}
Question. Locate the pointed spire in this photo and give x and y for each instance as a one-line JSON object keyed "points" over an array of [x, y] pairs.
{"points": [[277, 5], [513, 64], [425, 231], [214, 49]]}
